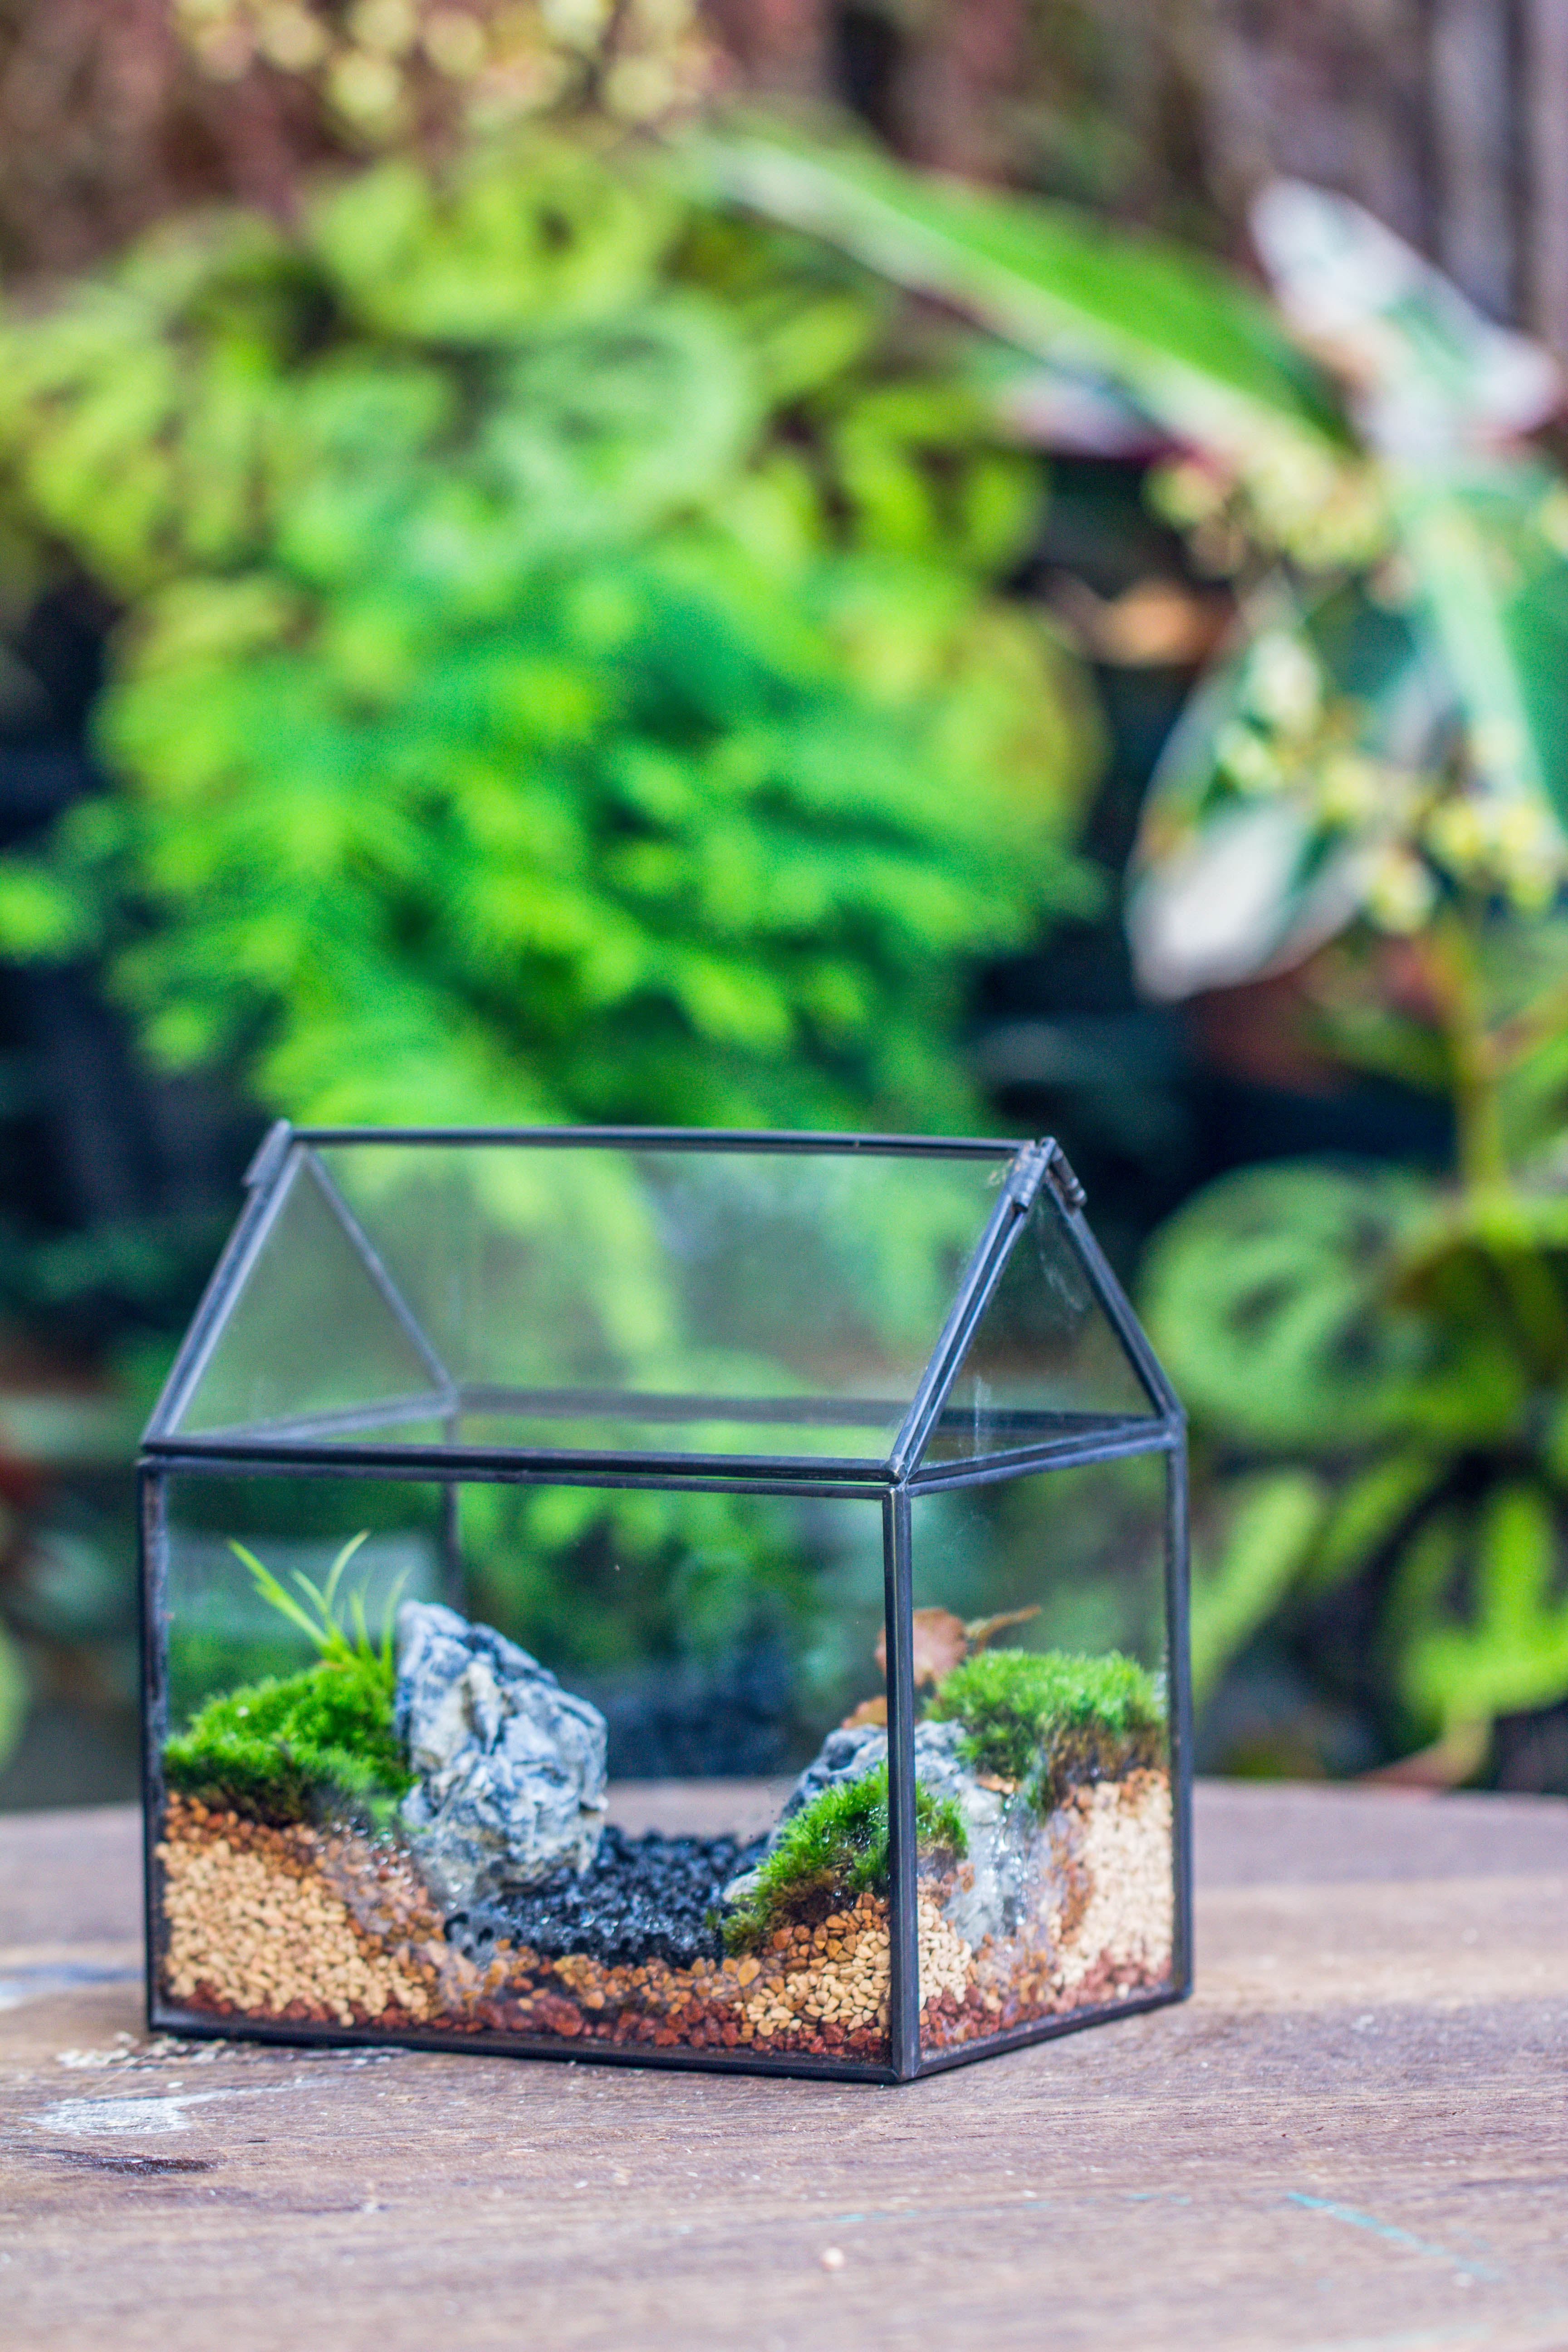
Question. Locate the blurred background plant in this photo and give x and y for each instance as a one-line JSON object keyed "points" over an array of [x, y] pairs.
{"points": [[1366, 798], [557, 665], [557, 677], [556, 669]]}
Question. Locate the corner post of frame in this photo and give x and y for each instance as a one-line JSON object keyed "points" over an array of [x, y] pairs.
{"points": [[1179, 1667], [153, 1613], [903, 1941]]}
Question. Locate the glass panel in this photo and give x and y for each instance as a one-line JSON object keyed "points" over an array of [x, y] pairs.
{"points": [[544, 1819], [311, 1335], [222, 1631], [1047, 1875], [1046, 1358], [789, 1434], [781, 1304]]}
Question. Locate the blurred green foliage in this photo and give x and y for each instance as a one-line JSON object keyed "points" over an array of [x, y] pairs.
{"points": [[560, 677], [560, 674], [1384, 1367], [14, 1693], [1372, 787], [1372, 783], [598, 1586]]}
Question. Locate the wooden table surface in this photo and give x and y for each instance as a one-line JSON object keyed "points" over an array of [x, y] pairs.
{"points": [[1353, 2136]]}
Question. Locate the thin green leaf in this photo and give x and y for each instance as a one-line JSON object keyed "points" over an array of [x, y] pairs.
{"points": [[335, 1574], [389, 1618], [312, 1592], [267, 1584]]}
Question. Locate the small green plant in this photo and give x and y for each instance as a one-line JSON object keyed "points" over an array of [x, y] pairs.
{"points": [[1048, 1720], [316, 1618], [288, 1750], [834, 1849]]}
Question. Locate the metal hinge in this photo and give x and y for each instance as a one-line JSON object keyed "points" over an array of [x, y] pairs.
{"points": [[1044, 1163], [1058, 1175], [1025, 1175]]}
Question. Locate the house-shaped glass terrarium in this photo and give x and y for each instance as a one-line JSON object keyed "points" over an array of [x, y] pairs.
{"points": [[697, 1599]]}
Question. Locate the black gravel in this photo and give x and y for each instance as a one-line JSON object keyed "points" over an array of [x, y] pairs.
{"points": [[641, 1898]]}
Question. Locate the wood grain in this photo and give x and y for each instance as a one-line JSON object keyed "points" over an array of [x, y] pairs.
{"points": [[1353, 2137]]}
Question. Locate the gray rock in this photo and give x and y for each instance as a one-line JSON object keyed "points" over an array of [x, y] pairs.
{"points": [[844, 1755], [511, 1767], [996, 1882]]}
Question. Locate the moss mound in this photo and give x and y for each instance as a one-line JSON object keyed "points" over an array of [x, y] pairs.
{"points": [[295, 1749], [834, 1849], [1049, 1720]]}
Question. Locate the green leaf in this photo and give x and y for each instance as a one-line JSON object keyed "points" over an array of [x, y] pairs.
{"points": [[1266, 1298], [44, 915], [1492, 588], [581, 434], [14, 1695], [267, 1584], [1275, 1520], [1368, 1514], [534, 234], [1279, 787], [1202, 356], [334, 1574], [1510, 1651]]}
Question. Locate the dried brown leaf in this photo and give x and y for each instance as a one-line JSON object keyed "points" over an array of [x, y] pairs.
{"points": [[981, 1630], [942, 1640]]}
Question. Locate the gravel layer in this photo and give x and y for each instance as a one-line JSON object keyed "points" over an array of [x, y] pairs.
{"points": [[641, 1898], [310, 1925], [324, 1927], [1100, 1933]]}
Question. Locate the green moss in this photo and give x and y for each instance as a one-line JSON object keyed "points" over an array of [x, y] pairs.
{"points": [[294, 1750], [1049, 1720], [310, 1744], [836, 1848]]}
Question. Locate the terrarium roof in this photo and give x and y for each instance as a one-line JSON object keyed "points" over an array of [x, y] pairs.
{"points": [[661, 1302]]}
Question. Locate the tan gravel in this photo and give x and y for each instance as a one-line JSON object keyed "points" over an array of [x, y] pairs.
{"points": [[294, 1923]]}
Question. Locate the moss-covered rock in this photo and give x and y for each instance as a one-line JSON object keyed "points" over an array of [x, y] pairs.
{"points": [[836, 1848], [1048, 1720], [293, 1750]]}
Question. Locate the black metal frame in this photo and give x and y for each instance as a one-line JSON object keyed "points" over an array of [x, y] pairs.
{"points": [[302, 1447]]}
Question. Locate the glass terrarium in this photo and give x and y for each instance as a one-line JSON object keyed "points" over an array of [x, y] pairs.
{"points": [[689, 1598]]}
